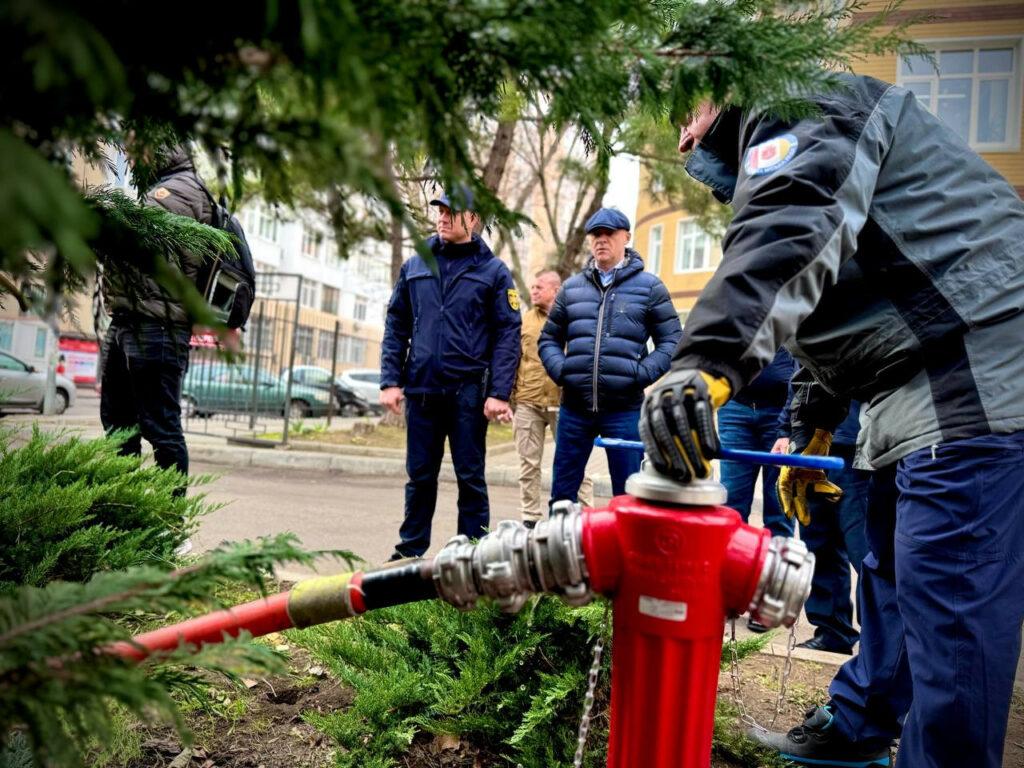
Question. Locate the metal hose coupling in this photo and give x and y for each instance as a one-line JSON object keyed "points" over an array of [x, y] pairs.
{"points": [[513, 562], [785, 583]]}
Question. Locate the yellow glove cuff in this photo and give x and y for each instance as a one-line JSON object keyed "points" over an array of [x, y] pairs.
{"points": [[820, 444], [719, 390]]}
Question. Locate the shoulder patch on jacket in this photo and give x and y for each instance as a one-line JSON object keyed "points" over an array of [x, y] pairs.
{"points": [[162, 193], [513, 299], [770, 155]]}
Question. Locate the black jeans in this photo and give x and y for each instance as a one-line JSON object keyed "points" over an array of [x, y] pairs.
{"points": [[145, 362]]}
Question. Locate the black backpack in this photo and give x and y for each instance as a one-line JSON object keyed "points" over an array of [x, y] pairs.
{"points": [[229, 285]]}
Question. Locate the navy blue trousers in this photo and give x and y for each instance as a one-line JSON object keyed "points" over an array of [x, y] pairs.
{"points": [[752, 429], [430, 420], [577, 431], [942, 604], [837, 538]]}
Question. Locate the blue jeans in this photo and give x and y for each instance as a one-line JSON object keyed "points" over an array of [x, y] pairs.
{"points": [[430, 419], [942, 605], [837, 539], [144, 364], [751, 429], [577, 431]]}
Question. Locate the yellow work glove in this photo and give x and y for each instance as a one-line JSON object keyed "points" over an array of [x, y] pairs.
{"points": [[677, 423], [796, 484]]}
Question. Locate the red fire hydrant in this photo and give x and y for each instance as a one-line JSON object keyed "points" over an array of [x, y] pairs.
{"points": [[676, 569], [676, 564]]}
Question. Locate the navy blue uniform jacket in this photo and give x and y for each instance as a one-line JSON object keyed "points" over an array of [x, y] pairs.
{"points": [[436, 337]]}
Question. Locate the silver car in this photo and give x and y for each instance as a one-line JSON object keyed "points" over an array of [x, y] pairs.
{"points": [[22, 386], [365, 381]]}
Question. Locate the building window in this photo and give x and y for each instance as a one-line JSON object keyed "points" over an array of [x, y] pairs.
{"points": [[693, 248], [359, 312], [263, 330], [310, 294], [304, 342], [330, 300], [654, 249], [268, 224], [975, 91], [6, 335], [325, 345], [357, 353], [40, 350], [312, 241]]}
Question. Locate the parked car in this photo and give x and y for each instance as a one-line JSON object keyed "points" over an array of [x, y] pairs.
{"points": [[218, 388], [365, 381], [348, 402], [22, 386]]}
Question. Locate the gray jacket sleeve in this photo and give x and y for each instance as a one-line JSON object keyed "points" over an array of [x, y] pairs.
{"points": [[802, 197]]}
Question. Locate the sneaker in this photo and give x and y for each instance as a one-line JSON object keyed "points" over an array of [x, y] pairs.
{"points": [[816, 742], [184, 548], [818, 644], [756, 626]]}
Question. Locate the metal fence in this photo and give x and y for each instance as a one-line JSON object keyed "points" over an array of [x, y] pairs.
{"points": [[285, 371]]}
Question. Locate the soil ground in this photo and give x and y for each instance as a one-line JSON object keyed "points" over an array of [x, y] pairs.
{"points": [[270, 732]]}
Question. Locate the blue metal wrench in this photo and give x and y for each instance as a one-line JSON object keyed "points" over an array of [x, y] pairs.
{"points": [[748, 457]]}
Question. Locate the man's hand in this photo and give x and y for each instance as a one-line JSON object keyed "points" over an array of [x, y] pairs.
{"points": [[677, 423], [227, 338], [497, 410], [391, 398], [796, 484], [781, 445]]}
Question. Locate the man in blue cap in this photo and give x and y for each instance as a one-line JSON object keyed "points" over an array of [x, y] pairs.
{"points": [[594, 346], [450, 351]]}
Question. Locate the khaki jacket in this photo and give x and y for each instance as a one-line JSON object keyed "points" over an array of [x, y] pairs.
{"points": [[533, 385]]}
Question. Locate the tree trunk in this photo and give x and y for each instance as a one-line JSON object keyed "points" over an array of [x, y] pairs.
{"points": [[569, 261], [501, 148]]}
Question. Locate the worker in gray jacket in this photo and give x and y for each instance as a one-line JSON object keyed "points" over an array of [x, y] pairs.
{"points": [[888, 257]]}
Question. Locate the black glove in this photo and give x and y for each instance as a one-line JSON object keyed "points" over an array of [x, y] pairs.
{"points": [[677, 423]]}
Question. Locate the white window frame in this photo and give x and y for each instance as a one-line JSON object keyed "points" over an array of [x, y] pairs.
{"points": [[680, 238], [654, 247], [8, 335], [312, 242], [267, 226], [359, 309], [1013, 107]]}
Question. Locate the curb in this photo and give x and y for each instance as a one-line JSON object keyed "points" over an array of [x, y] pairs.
{"points": [[237, 456]]}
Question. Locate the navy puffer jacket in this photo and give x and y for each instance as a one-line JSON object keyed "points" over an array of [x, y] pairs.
{"points": [[594, 343]]}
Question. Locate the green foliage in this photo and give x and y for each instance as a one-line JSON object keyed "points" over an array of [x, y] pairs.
{"points": [[512, 685], [61, 693], [319, 97], [71, 507]]}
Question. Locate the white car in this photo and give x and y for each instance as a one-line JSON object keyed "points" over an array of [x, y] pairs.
{"points": [[365, 381], [22, 386]]}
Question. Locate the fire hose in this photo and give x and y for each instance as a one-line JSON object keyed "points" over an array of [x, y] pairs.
{"points": [[674, 561]]}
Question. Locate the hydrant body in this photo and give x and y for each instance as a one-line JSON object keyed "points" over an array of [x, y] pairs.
{"points": [[674, 574]]}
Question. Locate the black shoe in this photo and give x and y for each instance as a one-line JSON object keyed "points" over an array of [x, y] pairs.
{"points": [[816, 742], [529, 523], [818, 644], [756, 626], [396, 555]]}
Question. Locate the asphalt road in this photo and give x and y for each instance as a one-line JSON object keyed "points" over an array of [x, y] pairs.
{"points": [[326, 511]]}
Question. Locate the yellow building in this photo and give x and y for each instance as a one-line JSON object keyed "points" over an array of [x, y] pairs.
{"points": [[978, 46]]}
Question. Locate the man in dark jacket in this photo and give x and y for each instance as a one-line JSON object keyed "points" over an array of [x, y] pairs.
{"points": [[450, 351], [147, 343], [889, 258], [594, 346]]}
